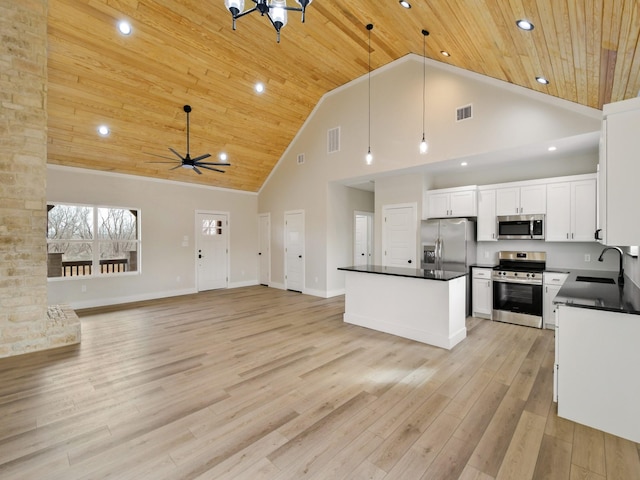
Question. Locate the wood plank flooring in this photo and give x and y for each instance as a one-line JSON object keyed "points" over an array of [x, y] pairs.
{"points": [[258, 383]]}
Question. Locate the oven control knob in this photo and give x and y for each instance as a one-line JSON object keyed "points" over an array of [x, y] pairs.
{"points": [[533, 275], [529, 275], [515, 274]]}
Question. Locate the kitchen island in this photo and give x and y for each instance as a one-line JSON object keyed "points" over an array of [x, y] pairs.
{"points": [[423, 305], [597, 354]]}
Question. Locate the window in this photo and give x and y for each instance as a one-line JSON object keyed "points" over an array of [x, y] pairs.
{"points": [[85, 240]]}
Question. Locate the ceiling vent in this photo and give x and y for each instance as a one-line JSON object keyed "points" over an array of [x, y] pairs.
{"points": [[463, 113], [300, 158], [333, 140]]}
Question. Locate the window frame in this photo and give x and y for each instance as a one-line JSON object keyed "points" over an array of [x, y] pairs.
{"points": [[96, 242]]}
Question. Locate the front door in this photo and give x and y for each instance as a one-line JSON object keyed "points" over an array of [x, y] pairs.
{"points": [[294, 250], [212, 250], [399, 235]]}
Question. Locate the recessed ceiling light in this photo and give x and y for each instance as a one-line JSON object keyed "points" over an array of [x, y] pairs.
{"points": [[552, 148], [222, 156], [103, 130], [405, 4], [542, 80], [464, 164], [444, 53], [525, 25], [259, 87], [124, 27]]}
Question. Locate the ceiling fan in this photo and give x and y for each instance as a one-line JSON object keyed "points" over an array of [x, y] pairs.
{"points": [[192, 163]]}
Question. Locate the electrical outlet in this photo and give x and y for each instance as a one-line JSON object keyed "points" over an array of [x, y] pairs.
{"points": [[587, 257], [178, 279], [486, 255], [83, 288]]}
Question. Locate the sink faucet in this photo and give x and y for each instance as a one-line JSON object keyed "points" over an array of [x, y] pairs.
{"points": [[621, 270]]}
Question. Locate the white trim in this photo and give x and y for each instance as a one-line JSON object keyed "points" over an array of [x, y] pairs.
{"points": [[101, 302], [304, 257], [227, 215], [268, 216]]}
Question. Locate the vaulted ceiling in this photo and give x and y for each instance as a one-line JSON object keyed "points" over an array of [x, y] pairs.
{"points": [[185, 52]]}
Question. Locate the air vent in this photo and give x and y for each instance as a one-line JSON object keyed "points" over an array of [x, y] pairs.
{"points": [[333, 140], [300, 159], [463, 113]]}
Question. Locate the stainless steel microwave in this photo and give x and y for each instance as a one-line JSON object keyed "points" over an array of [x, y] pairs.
{"points": [[521, 227]]}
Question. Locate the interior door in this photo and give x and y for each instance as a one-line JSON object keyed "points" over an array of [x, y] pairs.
{"points": [[264, 253], [212, 250], [294, 250], [362, 238], [399, 236]]}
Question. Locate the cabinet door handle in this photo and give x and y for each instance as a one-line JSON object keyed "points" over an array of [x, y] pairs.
{"points": [[567, 236]]}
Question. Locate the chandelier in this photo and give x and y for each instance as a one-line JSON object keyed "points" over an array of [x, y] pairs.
{"points": [[275, 10]]}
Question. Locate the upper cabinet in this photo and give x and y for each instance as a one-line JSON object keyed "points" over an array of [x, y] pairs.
{"points": [[619, 170], [487, 226], [571, 216], [450, 202], [530, 199]]}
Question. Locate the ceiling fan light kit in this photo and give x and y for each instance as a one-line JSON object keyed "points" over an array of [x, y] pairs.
{"points": [[193, 163], [275, 10]]}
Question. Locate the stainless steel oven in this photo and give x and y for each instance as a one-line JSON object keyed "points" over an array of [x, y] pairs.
{"points": [[517, 288]]}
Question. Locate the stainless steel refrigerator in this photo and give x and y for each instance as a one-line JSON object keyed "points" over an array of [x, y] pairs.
{"points": [[449, 244]]}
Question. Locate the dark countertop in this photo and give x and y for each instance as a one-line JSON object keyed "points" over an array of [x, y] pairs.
{"points": [[599, 296], [444, 275]]}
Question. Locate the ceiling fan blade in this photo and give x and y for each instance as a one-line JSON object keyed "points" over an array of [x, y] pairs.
{"points": [[177, 154], [211, 168], [217, 164], [177, 166], [197, 171], [201, 157]]}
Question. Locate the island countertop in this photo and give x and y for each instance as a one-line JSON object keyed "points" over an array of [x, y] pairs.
{"points": [[599, 296], [444, 275]]}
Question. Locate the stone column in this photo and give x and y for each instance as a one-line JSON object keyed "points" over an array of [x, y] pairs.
{"points": [[24, 319]]}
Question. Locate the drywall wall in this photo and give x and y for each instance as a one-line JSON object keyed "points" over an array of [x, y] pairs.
{"points": [[167, 216], [505, 117]]}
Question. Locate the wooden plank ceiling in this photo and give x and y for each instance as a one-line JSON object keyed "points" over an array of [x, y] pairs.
{"points": [[185, 52]]}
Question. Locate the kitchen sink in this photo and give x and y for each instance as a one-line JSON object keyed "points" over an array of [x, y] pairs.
{"points": [[595, 279]]}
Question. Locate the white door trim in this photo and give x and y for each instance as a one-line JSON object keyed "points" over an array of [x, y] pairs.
{"points": [[196, 235], [304, 260], [261, 259], [414, 223]]}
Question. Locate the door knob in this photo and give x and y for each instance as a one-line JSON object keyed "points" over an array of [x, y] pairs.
{"points": [[259, 253], [299, 256], [409, 261]]}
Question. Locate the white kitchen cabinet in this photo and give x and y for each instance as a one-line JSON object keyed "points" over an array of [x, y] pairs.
{"points": [[596, 376], [552, 282], [487, 227], [530, 199], [482, 292], [572, 211], [451, 202], [618, 173]]}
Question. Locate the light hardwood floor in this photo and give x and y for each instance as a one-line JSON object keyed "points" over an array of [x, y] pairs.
{"points": [[258, 383]]}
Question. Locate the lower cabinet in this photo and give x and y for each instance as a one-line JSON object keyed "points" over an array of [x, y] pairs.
{"points": [[482, 292], [552, 282]]}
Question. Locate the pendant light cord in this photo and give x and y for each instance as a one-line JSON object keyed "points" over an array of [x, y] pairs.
{"points": [[369, 27], [424, 75]]}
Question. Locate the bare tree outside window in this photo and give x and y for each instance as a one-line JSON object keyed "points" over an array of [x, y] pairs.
{"points": [[76, 233]]}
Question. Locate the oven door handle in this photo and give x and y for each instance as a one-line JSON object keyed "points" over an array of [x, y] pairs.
{"points": [[521, 282]]}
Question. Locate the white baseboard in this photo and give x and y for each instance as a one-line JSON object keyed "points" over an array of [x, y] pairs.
{"points": [[247, 283], [102, 302]]}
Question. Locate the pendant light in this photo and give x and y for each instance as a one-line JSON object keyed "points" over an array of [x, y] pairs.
{"points": [[424, 146], [369, 157]]}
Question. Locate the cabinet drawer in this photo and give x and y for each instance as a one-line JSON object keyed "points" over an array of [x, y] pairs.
{"points": [[482, 273], [553, 278]]}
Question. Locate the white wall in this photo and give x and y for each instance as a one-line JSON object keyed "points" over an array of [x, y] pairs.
{"points": [[505, 117], [167, 215]]}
